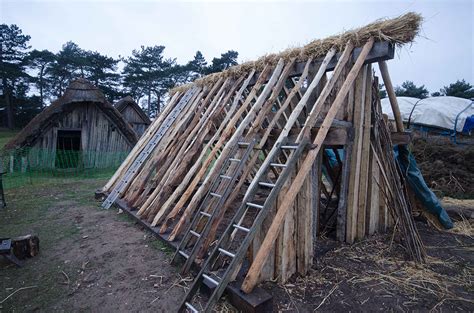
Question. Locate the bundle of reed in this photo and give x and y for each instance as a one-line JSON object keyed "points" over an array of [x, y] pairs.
{"points": [[398, 31], [394, 188]]}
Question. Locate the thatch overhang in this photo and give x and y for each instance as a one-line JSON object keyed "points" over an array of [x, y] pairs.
{"points": [[128, 101]]}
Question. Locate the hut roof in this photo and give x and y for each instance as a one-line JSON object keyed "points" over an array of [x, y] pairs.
{"points": [[128, 101], [79, 91], [398, 31]]}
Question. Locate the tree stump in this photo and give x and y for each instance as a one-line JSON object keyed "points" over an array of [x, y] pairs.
{"points": [[25, 246]]}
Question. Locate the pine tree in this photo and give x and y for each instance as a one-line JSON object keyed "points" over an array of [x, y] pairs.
{"points": [[460, 88], [40, 60], [13, 50], [409, 89], [226, 60], [145, 74], [197, 67]]}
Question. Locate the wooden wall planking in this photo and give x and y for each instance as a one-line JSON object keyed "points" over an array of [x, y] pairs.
{"points": [[100, 137]]}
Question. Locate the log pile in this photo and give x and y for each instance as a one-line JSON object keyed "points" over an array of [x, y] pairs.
{"points": [[345, 182]]}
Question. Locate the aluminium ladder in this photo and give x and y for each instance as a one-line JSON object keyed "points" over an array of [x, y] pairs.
{"points": [[233, 260], [150, 146], [207, 210]]}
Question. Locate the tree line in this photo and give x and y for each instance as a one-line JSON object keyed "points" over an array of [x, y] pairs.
{"points": [[32, 78], [460, 88]]}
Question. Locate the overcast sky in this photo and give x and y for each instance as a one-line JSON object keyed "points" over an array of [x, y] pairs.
{"points": [[443, 54]]}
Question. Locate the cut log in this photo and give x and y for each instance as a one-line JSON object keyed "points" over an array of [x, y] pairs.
{"points": [[25, 246]]}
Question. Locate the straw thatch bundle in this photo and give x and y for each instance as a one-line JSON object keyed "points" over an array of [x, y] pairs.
{"points": [[399, 31]]}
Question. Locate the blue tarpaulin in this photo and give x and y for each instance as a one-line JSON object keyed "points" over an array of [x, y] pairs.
{"points": [[417, 183]]}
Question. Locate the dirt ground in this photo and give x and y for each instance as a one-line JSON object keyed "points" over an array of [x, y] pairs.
{"points": [[94, 260], [374, 275], [90, 259]]}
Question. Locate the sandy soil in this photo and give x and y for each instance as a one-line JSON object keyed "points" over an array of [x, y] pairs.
{"points": [[101, 262]]}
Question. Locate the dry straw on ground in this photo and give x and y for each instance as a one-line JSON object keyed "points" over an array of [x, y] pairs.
{"points": [[399, 31]]}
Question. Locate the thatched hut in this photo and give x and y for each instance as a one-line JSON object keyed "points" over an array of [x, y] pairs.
{"points": [[80, 129], [133, 114]]}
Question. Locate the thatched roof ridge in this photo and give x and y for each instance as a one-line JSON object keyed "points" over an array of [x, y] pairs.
{"points": [[128, 101], [398, 31], [79, 91]]}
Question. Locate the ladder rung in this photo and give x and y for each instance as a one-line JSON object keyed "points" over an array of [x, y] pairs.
{"points": [[189, 306], [289, 147], [234, 160], [270, 185], [215, 282], [216, 195], [241, 143], [226, 177], [194, 233], [241, 228], [277, 165], [205, 214], [227, 253], [253, 205], [183, 254]]}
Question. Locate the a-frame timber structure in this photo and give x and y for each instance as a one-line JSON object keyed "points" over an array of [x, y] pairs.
{"points": [[244, 169]]}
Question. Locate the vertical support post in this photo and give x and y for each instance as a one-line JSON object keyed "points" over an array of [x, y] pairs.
{"points": [[391, 95], [304, 226], [365, 174], [354, 180], [24, 164], [342, 205], [316, 192]]}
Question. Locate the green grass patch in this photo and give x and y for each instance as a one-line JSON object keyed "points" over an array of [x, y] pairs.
{"points": [[161, 246]]}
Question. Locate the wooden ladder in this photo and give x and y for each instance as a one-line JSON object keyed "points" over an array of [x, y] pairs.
{"points": [[225, 183], [232, 261], [150, 146]]}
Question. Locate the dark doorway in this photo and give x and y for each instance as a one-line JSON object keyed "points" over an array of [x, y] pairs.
{"points": [[68, 149]]}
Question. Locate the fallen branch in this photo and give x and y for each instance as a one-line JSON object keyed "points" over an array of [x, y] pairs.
{"points": [[328, 295], [19, 289]]}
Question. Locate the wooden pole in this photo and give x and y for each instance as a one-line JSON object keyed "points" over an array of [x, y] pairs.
{"points": [[391, 95]]}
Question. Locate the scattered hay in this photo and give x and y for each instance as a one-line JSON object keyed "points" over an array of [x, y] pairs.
{"points": [[399, 31], [463, 227], [372, 265], [460, 203]]}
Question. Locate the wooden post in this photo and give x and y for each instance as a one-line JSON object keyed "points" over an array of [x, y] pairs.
{"points": [[24, 164], [354, 172], [391, 95], [342, 205], [364, 164], [316, 194], [373, 191]]}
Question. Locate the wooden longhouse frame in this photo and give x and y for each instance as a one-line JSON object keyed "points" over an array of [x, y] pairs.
{"points": [[318, 164]]}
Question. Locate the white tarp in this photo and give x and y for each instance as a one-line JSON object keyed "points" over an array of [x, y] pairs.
{"points": [[435, 111]]}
